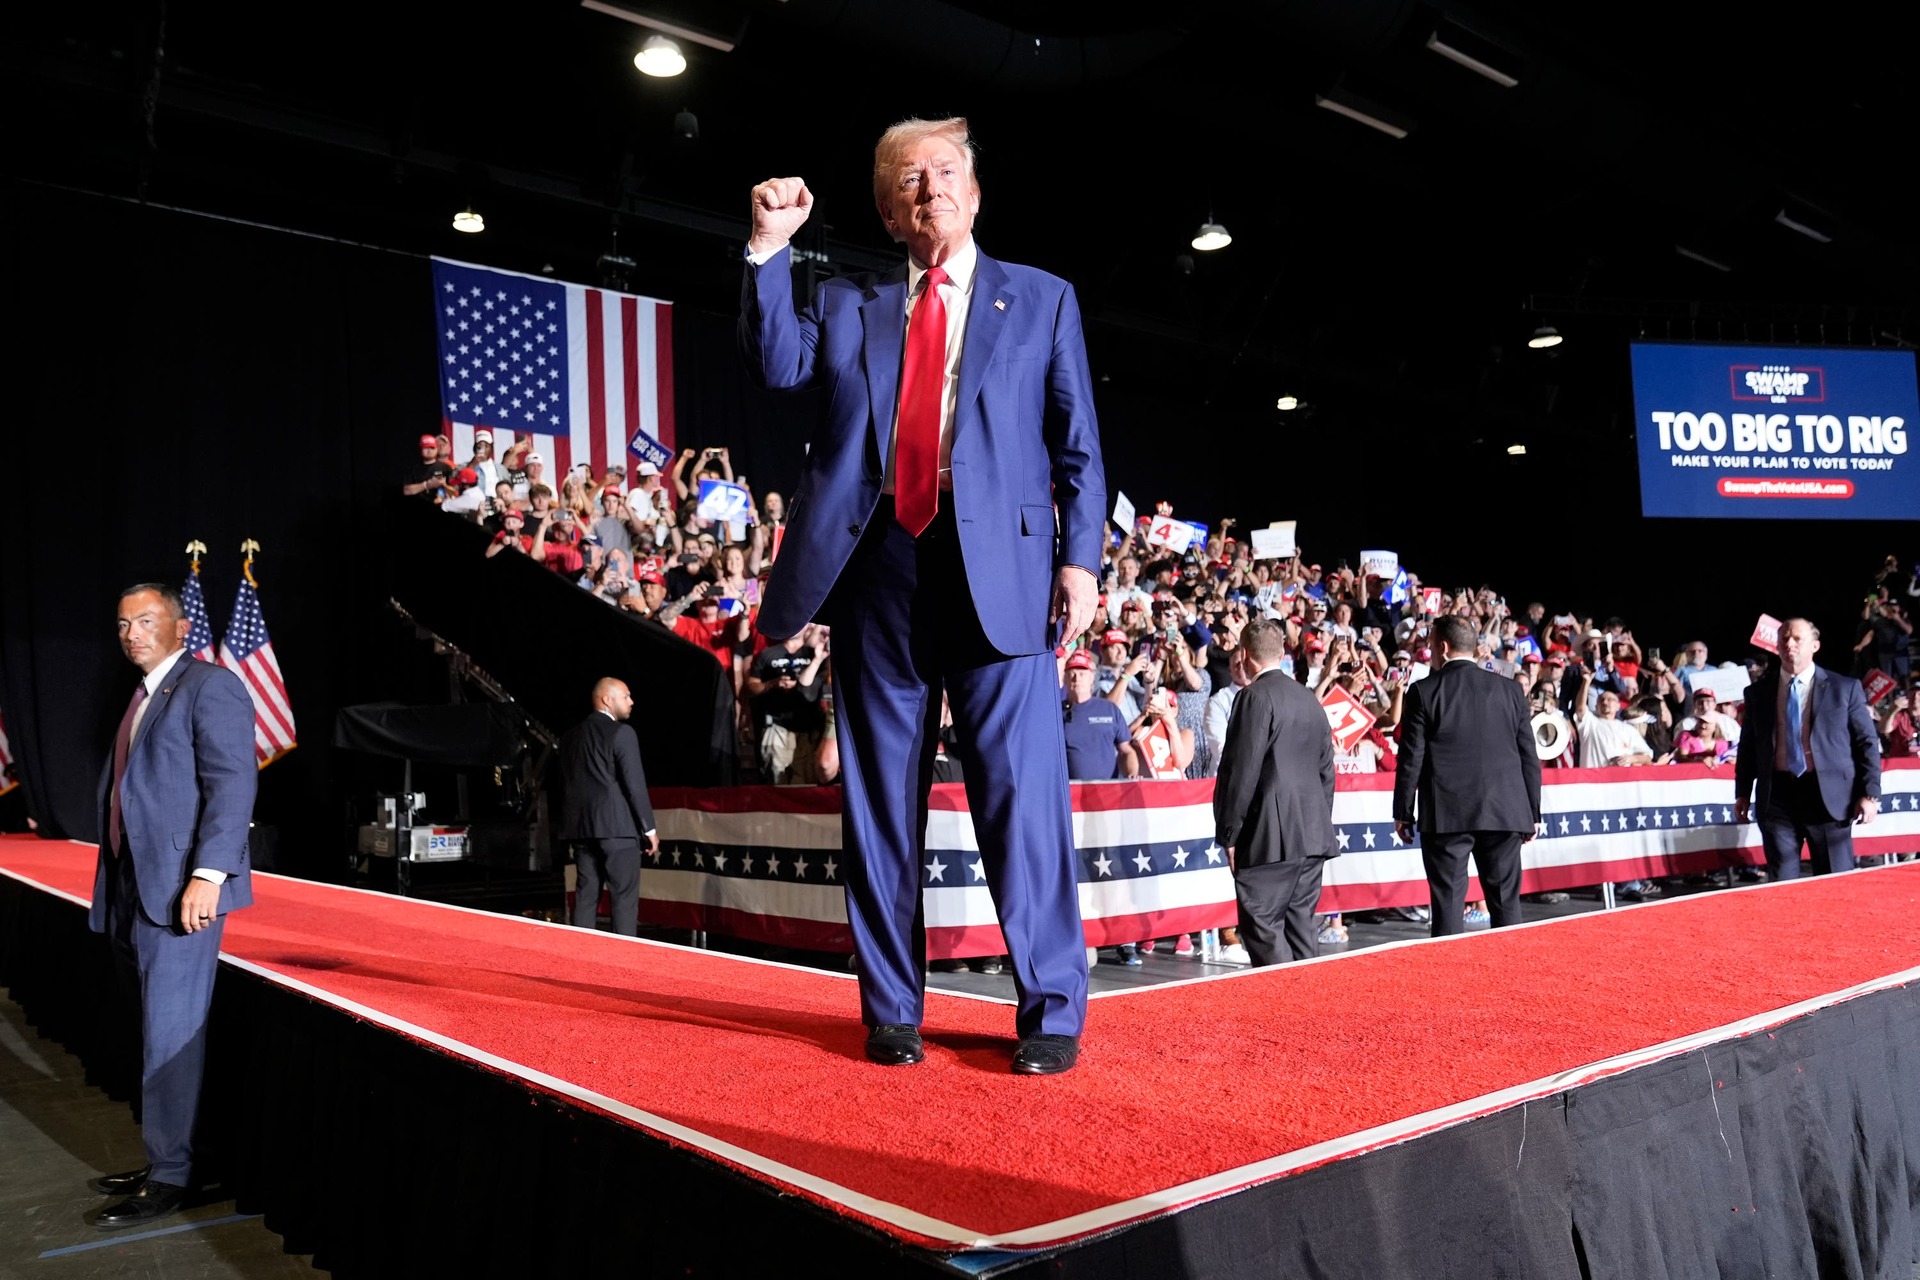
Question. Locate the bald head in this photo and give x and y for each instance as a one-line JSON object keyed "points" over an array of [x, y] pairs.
{"points": [[613, 697]]}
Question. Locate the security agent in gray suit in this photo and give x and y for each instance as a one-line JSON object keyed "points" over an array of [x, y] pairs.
{"points": [[1273, 801], [1467, 757], [604, 810]]}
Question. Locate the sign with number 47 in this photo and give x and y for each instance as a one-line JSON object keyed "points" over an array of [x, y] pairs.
{"points": [[1346, 717]]}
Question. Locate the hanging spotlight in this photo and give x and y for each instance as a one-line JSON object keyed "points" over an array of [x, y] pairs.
{"points": [[660, 56], [1545, 336], [1516, 451], [1287, 404], [469, 221], [1211, 236]]}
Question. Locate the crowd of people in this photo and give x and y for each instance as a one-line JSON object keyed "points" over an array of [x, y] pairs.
{"points": [[1147, 690]]}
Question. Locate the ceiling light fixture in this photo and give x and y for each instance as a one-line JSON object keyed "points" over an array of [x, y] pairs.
{"points": [[1370, 114], [469, 221], [1211, 236], [1287, 404], [1478, 56], [1792, 223], [1516, 450], [1545, 336], [660, 56], [1701, 258]]}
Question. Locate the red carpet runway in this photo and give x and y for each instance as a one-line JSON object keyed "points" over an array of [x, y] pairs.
{"points": [[1185, 1092]]}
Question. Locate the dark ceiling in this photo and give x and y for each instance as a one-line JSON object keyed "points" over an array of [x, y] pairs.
{"points": [[1390, 283]]}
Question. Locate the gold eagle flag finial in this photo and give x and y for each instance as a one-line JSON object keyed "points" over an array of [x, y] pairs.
{"points": [[195, 550], [248, 549]]}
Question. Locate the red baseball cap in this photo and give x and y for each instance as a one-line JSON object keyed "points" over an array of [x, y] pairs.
{"points": [[1423, 654], [1315, 643], [467, 476], [650, 575], [429, 442], [1533, 658], [1113, 636], [1079, 660], [513, 513]]}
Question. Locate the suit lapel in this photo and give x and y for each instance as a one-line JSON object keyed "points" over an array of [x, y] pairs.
{"points": [[158, 704], [883, 317], [989, 307]]}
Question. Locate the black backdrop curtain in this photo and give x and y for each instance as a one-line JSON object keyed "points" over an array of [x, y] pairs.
{"points": [[181, 377]]}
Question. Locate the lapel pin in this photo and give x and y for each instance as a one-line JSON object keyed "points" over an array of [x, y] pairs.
{"points": [[999, 304]]}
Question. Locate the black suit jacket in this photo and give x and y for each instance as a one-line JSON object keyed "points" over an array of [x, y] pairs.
{"points": [[603, 789], [1273, 798], [1467, 754], [1845, 741]]}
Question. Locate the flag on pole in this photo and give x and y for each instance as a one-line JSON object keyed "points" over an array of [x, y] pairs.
{"points": [[200, 637], [248, 653], [584, 372]]}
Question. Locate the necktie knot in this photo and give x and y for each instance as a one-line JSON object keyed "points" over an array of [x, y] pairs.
{"points": [[935, 277]]}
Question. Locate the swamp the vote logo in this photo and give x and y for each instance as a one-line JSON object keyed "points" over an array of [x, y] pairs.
{"points": [[1778, 383]]}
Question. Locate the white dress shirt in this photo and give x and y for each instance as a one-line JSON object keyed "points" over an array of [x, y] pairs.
{"points": [[153, 680]]}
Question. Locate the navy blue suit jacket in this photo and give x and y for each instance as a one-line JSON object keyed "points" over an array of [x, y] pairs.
{"points": [[188, 793], [1024, 436], [1845, 742]]}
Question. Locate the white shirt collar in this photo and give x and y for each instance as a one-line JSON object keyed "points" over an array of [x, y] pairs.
{"points": [[608, 714], [958, 266], [154, 677], [1461, 657]]}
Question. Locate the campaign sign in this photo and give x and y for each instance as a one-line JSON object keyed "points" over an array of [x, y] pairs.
{"points": [[1123, 510], [1728, 684], [1346, 717], [1877, 684], [1379, 564], [1796, 433], [1275, 542], [1430, 601], [720, 500], [647, 449], [1174, 535], [1766, 633]]}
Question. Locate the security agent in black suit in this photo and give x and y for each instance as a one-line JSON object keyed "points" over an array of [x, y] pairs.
{"points": [[1810, 749], [1467, 754], [1273, 800], [604, 811]]}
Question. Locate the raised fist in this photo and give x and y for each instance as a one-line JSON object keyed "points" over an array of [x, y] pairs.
{"points": [[780, 206]]}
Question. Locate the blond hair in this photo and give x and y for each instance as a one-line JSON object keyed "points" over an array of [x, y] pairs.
{"points": [[910, 132]]}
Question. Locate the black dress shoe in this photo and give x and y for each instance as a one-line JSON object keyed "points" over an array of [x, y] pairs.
{"points": [[894, 1044], [1043, 1055], [121, 1184], [153, 1201]]}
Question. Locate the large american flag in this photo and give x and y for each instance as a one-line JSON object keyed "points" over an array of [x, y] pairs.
{"points": [[578, 369], [248, 653], [200, 637]]}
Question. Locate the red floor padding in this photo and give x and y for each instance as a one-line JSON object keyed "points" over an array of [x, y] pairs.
{"points": [[1175, 1083]]}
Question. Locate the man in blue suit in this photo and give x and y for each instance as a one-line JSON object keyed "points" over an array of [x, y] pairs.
{"points": [[175, 800], [948, 521], [1809, 759]]}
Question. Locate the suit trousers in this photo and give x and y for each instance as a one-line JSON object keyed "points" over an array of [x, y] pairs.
{"points": [[169, 975], [1495, 853], [1796, 815], [1276, 901], [615, 862], [904, 628]]}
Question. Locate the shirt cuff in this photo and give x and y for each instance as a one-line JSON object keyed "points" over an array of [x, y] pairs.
{"points": [[760, 259], [210, 875], [651, 832]]}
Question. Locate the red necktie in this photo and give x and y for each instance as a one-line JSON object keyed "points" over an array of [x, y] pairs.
{"points": [[122, 743], [923, 391]]}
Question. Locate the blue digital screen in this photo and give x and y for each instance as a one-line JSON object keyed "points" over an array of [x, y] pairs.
{"points": [[1776, 433]]}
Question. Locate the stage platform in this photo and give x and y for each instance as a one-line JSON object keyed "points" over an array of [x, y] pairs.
{"points": [[1722, 1085]]}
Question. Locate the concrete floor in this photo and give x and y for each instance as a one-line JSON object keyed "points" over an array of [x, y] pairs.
{"points": [[56, 1132]]}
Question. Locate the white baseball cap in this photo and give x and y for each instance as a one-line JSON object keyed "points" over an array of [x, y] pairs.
{"points": [[478, 436], [648, 469]]}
